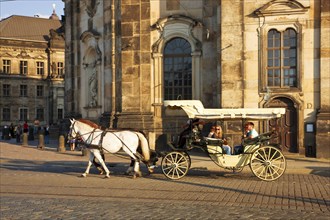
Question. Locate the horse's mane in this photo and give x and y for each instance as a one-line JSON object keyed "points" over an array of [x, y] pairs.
{"points": [[90, 123]]}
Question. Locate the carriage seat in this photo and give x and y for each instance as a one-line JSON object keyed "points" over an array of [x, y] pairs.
{"points": [[214, 145], [260, 138], [213, 141]]}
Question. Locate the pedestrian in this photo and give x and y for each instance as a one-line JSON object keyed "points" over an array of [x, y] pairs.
{"points": [[36, 128], [11, 130], [25, 127], [46, 132], [18, 133], [72, 143]]}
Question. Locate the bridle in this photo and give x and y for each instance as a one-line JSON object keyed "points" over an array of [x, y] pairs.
{"points": [[79, 135]]}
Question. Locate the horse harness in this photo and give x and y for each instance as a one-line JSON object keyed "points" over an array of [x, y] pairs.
{"points": [[99, 146]]}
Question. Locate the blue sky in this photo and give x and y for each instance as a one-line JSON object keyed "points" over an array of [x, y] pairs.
{"points": [[43, 8]]}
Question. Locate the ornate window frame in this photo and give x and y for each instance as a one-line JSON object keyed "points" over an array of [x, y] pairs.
{"points": [[264, 57], [267, 18], [169, 28]]}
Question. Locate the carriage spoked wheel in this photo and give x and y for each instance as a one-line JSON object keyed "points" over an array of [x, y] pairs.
{"points": [[175, 165], [268, 163], [187, 157]]}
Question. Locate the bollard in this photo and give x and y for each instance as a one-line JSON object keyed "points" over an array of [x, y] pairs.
{"points": [[61, 145], [41, 144], [25, 140]]}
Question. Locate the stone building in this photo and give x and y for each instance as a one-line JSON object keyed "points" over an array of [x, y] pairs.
{"points": [[124, 57], [31, 70]]}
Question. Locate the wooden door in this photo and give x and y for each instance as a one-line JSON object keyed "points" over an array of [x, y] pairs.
{"points": [[287, 125]]}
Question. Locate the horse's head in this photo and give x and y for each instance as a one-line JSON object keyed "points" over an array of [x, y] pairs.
{"points": [[73, 133], [151, 164]]}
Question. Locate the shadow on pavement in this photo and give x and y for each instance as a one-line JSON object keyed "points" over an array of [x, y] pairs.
{"points": [[59, 167], [320, 171]]}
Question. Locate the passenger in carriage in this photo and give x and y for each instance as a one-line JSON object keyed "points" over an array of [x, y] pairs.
{"points": [[216, 132], [212, 131], [250, 133]]}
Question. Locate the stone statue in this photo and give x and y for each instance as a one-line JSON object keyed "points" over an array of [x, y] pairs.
{"points": [[91, 7], [54, 69], [91, 64], [92, 85]]}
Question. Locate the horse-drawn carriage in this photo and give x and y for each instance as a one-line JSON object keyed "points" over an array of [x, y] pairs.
{"points": [[265, 160]]}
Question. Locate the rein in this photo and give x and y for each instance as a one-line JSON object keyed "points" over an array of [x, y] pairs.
{"points": [[138, 155], [89, 137], [99, 146]]}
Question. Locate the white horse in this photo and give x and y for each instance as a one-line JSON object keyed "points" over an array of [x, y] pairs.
{"points": [[97, 139]]}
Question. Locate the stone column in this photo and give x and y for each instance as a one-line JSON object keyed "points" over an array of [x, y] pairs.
{"points": [[231, 58], [323, 116], [133, 83]]}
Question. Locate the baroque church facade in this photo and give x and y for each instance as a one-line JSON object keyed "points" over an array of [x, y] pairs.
{"points": [[125, 57], [31, 70]]}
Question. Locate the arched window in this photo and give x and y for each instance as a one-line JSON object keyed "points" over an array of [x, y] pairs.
{"points": [[177, 70], [282, 58]]}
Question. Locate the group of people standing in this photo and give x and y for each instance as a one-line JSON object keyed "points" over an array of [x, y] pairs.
{"points": [[17, 131], [216, 132]]}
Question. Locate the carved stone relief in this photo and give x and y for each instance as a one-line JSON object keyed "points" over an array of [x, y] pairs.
{"points": [[91, 7], [91, 65]]}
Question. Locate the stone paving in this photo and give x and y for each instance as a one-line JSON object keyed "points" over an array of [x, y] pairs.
{"points": [[43, 184]]}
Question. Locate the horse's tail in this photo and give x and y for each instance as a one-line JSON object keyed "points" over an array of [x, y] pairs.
{"points": [[144, 146]]}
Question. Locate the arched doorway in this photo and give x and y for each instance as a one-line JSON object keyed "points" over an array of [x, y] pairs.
{"points": [[288, 124]]}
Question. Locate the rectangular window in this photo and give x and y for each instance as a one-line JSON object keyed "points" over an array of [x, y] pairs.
{"points": [[60, 113], [40, 91], [6, 65], [40, 114], [6, 90], [23, 67], [40, 68], [282, 58], [23, 90], [6, 114], [23, 113], [60, 69]]}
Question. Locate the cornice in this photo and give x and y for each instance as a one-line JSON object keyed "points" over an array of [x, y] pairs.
{"points": [[281, 7]]}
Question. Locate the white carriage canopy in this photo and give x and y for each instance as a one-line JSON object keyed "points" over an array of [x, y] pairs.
{"points": [[195, 109]]}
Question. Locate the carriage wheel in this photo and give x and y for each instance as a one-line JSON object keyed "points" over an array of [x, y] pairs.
{"points": [[268, 163], [175, 165], [187, 157]]}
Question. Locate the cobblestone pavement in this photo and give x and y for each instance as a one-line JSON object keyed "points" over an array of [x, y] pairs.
{"points": [[36, 184]]}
